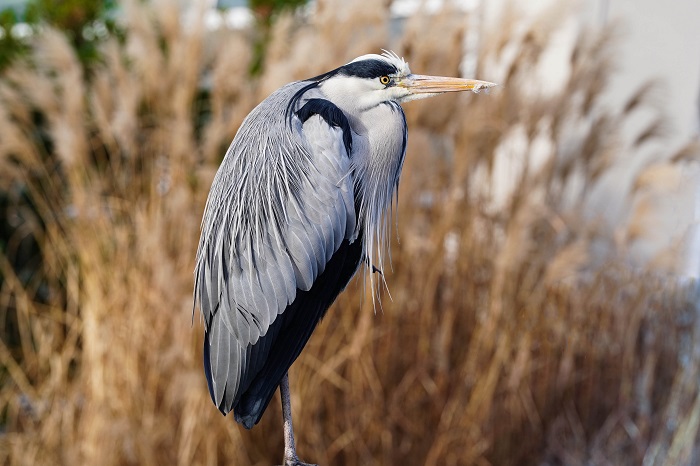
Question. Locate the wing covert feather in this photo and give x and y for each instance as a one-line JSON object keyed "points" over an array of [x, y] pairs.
{"points": [[243, 283]]}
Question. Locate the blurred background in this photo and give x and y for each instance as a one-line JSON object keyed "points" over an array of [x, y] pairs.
{"points": [[544, 297]]}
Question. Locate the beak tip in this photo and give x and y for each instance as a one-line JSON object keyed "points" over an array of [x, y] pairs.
{"points": [[483, 86]]}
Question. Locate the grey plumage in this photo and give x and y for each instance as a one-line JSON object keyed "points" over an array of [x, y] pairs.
{"points": [[253, 267], [302, 198]]}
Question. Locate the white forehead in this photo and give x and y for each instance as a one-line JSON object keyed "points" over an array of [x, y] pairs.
{"points": [[389, 57]]}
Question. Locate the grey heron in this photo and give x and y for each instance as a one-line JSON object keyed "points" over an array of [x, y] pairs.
{"points": [[301, 201]]}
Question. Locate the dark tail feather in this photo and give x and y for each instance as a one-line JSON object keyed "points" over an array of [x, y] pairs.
{"points": [[207, 366]]}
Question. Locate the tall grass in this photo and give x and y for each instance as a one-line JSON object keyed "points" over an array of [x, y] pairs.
{"points": [[509, 340]]}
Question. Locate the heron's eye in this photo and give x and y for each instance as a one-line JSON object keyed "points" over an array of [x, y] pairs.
{"points": [[384, 80]]}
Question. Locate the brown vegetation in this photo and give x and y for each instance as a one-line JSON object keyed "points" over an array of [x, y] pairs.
{"points": [[509, 339]]}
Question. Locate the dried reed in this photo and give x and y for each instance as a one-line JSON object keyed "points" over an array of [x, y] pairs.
{"points": [[509, 340]]}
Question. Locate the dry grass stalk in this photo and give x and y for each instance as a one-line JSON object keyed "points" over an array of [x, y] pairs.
{"points": [[506, 341]]}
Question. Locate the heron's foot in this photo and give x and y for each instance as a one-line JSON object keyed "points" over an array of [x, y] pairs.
{"points": [[296, 462]]}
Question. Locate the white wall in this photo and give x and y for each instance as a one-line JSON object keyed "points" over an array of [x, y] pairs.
{"points": [[657, 41]]}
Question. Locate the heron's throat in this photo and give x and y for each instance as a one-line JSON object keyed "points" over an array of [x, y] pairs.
{"points": [[377, 158]]}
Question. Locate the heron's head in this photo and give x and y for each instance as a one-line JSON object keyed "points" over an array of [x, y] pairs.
{"points": [[372, 79]]}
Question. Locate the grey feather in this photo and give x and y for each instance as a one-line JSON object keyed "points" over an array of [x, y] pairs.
{"points": [[270, 246], [281, 205]]}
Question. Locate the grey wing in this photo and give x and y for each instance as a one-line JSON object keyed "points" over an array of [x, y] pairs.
{"points": [[300, 208]]}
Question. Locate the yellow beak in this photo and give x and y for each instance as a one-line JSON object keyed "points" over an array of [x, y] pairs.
{"points": [[421, 84]]}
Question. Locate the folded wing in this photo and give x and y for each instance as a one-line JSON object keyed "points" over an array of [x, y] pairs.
{"points": [[278, 244]]}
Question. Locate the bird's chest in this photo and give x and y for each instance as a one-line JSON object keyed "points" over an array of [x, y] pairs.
{"points": [[379, 139], [379, 145]]}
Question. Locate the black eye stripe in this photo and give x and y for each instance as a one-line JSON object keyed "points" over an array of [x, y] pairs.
{"points": [[368, 69]]}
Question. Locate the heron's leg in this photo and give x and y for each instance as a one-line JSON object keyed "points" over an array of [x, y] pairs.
{"points": [[290, 450]]}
